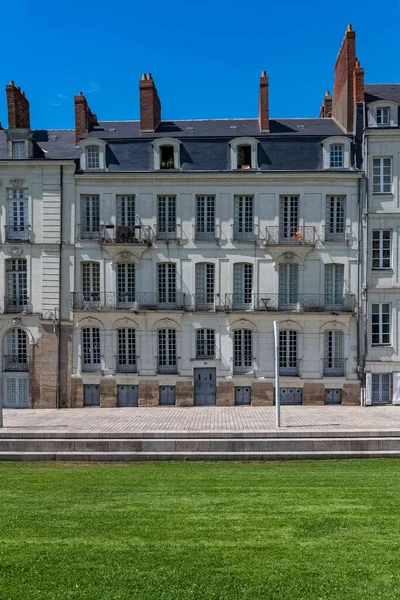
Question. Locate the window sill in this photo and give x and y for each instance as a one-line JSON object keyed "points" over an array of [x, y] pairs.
{"points": [[381, 345], [383, 194], [385, 269]]}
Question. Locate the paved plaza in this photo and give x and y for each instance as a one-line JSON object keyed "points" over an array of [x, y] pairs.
{"points": [[202, 420]]}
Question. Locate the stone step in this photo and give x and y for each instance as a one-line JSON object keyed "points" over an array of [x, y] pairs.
{"points": [[177, 445], [192, 456]]}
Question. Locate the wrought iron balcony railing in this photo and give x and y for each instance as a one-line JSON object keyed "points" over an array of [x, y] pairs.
{"points": [[291, 236], [16, 362], [17, 233], [203, 302], [334, 367], [137, 235], [17, 304], [128, 301], [290, 302]]}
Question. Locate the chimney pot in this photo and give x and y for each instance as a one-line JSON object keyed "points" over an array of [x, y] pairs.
{"points": [[349, 27]]}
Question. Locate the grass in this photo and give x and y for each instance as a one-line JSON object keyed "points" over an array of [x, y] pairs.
{"points": [[200, 531]]}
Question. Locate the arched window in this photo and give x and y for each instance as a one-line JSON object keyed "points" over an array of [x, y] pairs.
{"points": [[242, 351], [16, 351], [126, 350], [126, 277], [205, 286], [167, 359], [205, 343], [288, 351], [334, 353]]}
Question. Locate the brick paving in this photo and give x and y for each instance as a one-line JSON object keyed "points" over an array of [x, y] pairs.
{"points": [[170, 419]]}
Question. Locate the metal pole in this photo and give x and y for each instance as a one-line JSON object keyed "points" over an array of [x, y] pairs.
{"points": [[277, 391], [1, 409]]}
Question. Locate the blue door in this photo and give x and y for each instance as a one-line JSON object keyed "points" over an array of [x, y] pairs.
{"points": [[91, 395], [167, 395], [243, 396], [127, 395], [291, 396], [205, 387]]}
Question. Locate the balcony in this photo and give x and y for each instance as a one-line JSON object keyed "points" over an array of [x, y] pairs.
{"points": [[17, 233], [17, 304], [203, 302], [287, 236], [128, 301], [334, 367], [15, 362], [283, 302], [137, 235]]}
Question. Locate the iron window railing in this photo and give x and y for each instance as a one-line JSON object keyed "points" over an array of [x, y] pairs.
{"points": [[334, 367], [16, 362], [290, 236], [117, 301], [119, 234], [17, 233], [279, 302], [17, 304]]}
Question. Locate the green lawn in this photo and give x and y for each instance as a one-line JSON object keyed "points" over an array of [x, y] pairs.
{"points": [[199, 531]]}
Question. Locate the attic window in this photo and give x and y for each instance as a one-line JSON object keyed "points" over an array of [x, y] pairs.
{"points": [[383, 116], [244, 157], [18, 150], [92, 157], [167, 157]]}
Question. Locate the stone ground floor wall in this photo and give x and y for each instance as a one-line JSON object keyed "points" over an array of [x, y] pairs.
{"points": [[262, 392]]}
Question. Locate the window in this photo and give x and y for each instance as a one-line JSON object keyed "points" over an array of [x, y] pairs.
{"points": [[167, 362], [288, 352], [288, 218], [381, 251], [126, 211], [167, 283], [205, 282], [126, 350], [205, 217], [244, 157], [380, 388], [336, 156], [92, 157], [205, 343], [334, 353], [91, 283], [16, 285], [382, 175], [90, 349], [18, 150], [125, 285], [383, 116], [90, 206], [242, 286], [167, 157], [288, 286], [242, 351], [17, 221], [243, 218], [334, 285], [380, 324], [166, 217], [335, 219], [16, 351]]}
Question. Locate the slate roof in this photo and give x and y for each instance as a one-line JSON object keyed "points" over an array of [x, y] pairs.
{"points": [[56, 144], [382, 91], [229, 128]]}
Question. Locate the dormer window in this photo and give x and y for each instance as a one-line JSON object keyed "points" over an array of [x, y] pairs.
{"points": [[244, 153], [92, 157], [244, 157], [166, 154], [383, 116], [167, 157], [18, 150], [336, 156], [93, 154]]}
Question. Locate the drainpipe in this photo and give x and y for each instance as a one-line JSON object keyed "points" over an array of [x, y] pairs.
{"points": [[359, 283], [58, 397], [366, 259]]}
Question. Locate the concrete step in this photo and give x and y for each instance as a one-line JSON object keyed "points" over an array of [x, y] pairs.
{"points": [[192, 456]]}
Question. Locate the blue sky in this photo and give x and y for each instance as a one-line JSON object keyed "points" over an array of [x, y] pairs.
{"points": [[205, 57]]}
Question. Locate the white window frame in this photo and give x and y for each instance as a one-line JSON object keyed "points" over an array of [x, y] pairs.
{"points": [[83, 145], [381, 112], [205, 343], [205, 218], [92, 157], [378, 174], [88, 229], [166, 217], [17, 214], [288, 352], [336, 156], [242, 351], [335, 219], [167, 350], [381, 262], [91, 353], [126, 350], [19, 150], [381, 309], [373, 108], [326, 152], [244, 141], [157, 145]]}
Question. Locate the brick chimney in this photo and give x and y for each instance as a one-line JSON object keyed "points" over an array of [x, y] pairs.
{"points": [[263, 105], [84, 118], [150, 106], [343, 95], [18, 108], [358, 83], [326, 108]]}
